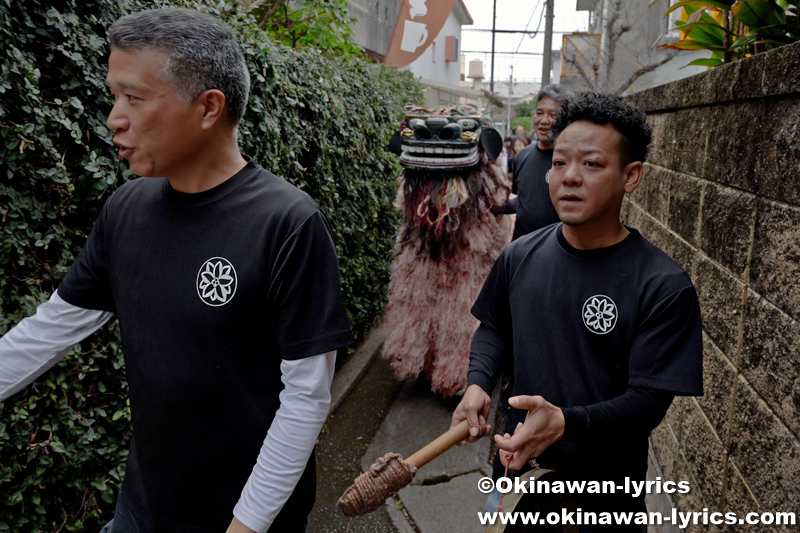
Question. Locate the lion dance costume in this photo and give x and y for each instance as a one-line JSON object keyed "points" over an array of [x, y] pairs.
{"points": [[447, 243]]}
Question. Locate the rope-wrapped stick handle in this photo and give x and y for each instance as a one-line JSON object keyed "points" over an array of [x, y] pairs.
{"points": [[391, 473]]}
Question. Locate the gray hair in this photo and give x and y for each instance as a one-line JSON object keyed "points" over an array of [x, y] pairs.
{"points": [[202, 53], [557, 92]]}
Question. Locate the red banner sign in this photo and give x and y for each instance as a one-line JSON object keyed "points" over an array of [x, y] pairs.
{"points": [[418, 24]]}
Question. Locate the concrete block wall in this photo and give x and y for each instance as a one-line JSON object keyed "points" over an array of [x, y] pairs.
{"points": [[721, 195]]}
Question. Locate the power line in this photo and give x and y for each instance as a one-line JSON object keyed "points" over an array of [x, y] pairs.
{"points": [[529, 23], [515, 31], [504, 53]]}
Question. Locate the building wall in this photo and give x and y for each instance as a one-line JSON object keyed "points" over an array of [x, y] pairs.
{"points": [[634, 48], [431, 65], [721, 195], [374, 25]]}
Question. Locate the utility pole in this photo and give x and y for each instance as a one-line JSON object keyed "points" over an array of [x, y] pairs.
{"points": [[508, 107], [491, 74], [548, 43]]}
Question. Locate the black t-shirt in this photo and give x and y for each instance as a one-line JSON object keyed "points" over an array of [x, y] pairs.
{"points": [[212, 291], [587, 324], [533, 206]]}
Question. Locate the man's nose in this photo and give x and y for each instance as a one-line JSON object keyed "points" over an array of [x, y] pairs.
{"points": [[571, 174], [116, 119]]}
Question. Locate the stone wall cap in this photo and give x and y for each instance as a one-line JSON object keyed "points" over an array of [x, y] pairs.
{"points": [[772, 73]]}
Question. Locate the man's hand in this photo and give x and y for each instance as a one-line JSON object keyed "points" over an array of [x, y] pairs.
{"points": [[474, 407], [238, 527], [544, 425]]}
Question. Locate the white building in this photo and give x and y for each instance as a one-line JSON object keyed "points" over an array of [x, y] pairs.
{"points": [[439, 66]]}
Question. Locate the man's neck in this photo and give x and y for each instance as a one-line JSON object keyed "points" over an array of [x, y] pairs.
{"points": [[592, 238], [544, 145], [209, 169]]}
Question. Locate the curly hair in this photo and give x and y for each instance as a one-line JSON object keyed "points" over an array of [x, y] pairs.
{"points": [[608, 108]]}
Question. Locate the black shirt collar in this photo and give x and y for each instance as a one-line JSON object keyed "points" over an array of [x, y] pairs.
{"points": [[215, 193], [634, 235]]}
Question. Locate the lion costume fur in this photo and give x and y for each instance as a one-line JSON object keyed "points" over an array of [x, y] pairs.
{"points": [[448, 242]]}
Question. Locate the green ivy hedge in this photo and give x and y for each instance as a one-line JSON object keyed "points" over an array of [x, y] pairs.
{"points": [[322, 123]]}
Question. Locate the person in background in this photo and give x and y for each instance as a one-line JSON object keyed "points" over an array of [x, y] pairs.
{"points": [[518, 145], [530, 166], [520, 133], [602, 328], [225, 282], [507, 142]]}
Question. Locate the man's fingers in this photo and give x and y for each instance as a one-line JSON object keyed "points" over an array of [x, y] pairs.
{"points": [[472, 420], [508, 443], [518, 462], [526, 402]]}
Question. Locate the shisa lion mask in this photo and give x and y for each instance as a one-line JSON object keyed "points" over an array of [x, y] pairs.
{"points": [[448, 241], [448, 139]]}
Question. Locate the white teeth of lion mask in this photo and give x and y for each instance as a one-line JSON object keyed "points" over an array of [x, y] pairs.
{"points": [[447, 139], [446, 245]]}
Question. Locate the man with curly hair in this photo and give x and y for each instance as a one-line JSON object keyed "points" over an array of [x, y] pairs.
{"points": [[602, 328]]}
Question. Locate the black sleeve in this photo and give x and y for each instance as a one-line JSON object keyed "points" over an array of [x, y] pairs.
{"points": [[667, 353], [87, 283], [512, 168], [305, 297], [636, 411], [509, 206], [489, 350], [493, 341], [492, 305]]}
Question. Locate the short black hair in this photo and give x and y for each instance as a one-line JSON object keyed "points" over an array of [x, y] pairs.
{"points": [[608, 108], [202, 53]]}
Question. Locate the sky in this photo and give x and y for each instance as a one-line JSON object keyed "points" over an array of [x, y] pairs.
{"points": [[515, 15]]}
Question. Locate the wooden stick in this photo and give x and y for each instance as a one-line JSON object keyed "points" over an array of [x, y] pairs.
{"points": [[440, 445]]}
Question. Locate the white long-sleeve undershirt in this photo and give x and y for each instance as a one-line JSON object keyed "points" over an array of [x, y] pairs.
{"points": [[305, 400], [38, 342]]}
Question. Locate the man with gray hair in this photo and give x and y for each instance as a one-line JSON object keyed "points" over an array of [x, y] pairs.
{"points": [[529, 169], [225, 282]]}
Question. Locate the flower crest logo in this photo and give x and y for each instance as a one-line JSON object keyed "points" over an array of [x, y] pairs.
{"points": [[216, 282], [599, 314]]}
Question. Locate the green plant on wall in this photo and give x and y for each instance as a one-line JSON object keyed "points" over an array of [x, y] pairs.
{"points": [[320, 122], [733, 29], [321, 24]]}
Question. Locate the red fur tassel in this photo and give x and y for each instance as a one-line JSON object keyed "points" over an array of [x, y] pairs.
{"points": [[442, 257]]}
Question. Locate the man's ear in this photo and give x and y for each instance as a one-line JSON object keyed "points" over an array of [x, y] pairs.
{"points": [[633, 175], [492, 143], [213, 107]]}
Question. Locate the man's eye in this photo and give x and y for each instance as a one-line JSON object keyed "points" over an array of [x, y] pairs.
{"points": [[558, 163], [131, 97], [592, 164]]}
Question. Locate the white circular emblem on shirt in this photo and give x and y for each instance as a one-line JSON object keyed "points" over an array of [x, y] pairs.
{"points": [[599, 314], [216, 282], [547, 176]]}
